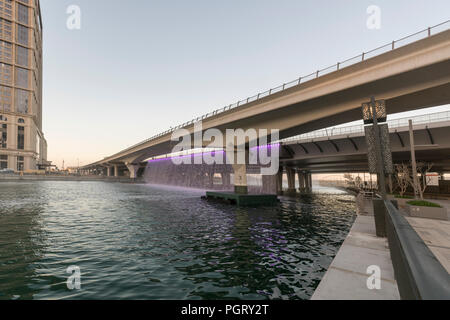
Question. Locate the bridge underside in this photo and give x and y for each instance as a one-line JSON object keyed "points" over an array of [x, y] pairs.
{"points": [[358, 163], [348, 153]]}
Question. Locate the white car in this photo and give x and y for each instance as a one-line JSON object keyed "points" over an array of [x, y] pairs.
{"points": [[6, 171]]}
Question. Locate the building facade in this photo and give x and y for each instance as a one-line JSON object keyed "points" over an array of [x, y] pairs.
{"points": [[22, 143]]}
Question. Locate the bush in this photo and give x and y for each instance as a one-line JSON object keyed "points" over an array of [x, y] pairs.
{"points": [[421, 203]]}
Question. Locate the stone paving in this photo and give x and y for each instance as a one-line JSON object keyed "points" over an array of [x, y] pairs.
{"points": [[346, 278]]}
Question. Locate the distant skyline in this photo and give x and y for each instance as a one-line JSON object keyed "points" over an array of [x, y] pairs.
{"points": [[139, 67]]}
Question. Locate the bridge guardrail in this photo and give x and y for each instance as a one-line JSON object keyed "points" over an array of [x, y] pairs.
{"points": [[338, 66], [396, 123], [419, 274]]}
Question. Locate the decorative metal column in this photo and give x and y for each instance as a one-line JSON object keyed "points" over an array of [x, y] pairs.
{"points": [[378, 143]]}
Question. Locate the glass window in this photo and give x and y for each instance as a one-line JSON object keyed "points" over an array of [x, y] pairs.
{"points": [[22, 101], [3, 162], [22, 35], [22, 56], [22, 13], [3, 135], [5, 74], [5, 51], [6, 8], [21, 138], [20, 163], [22, 77], [5, 98], [5, 29]]}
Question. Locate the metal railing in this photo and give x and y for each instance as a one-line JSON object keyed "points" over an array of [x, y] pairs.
{"points": [[419, 274], [359, 129], [314, 75]]}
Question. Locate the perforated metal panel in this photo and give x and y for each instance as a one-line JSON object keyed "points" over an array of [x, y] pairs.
{"points": [[385, 147], [380, 109]]}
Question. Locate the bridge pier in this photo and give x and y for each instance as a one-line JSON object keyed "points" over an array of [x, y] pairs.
{"points": [[290, 172], [308, 181], [305, 181], [226, 181], [269, 184], [116, 170], [240, 178], [133, 169], [109, 171], [279, 178]]}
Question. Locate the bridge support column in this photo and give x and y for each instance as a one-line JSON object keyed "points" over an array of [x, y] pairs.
{"points": [[301, 181], [226, 182], [291, 180], [133, 169], [109, 171], [280, 181], [308, 181], [116, 170], [240, 179], [269, 184]]}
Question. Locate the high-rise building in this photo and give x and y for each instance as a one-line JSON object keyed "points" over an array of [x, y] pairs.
{"points": [[22, 143]]}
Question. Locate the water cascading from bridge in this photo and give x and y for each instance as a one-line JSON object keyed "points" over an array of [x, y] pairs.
{"points": [[204, 176]]}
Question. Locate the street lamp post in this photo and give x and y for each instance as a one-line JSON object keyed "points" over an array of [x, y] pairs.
{"points": [[380, 164]]}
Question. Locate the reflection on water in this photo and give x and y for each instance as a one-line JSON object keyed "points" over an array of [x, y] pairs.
{"points": [[152, 242]]}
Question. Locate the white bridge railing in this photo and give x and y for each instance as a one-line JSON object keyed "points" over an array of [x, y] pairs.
{"points": [[357, 129]]}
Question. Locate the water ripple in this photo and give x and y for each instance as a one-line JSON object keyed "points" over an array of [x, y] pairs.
{"points": [[147, 242]]}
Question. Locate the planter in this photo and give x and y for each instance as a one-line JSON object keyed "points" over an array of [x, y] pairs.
{"points": [[402, 203], [427, 212]]}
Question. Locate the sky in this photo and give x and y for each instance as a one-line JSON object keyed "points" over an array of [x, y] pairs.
{"points": [[138, 67]]}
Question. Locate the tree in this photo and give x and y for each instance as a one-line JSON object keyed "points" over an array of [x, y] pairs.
{"points": [[423, 168], [403, 177], [358, 182], [349, 179]]}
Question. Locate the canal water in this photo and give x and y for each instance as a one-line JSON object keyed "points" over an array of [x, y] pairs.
{"points": [[153, 242]]}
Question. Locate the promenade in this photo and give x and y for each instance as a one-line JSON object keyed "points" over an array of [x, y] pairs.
{"points": [[346, 277]]}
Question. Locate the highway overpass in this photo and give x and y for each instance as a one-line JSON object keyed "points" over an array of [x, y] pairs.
{"points": [[407, 75]]}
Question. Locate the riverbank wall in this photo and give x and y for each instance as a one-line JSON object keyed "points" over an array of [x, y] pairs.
{"points": [[15, 177]]}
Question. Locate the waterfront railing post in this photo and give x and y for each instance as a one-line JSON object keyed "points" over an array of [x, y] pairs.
{"points": [[379, 211]]}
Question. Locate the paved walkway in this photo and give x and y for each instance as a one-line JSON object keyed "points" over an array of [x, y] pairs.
{"points": [[436, 234], [346, 278]]}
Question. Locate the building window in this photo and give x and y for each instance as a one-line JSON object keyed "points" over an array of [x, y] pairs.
{"points": [[5, 74], [3, 161], [3, 136], [22, 77], [21, 120], [21, 138], [22, 101], [22, 35], [5, 98], [22, 56], [6, 9], [20, 163], [5, 51], [22, 13], [5, 29]]}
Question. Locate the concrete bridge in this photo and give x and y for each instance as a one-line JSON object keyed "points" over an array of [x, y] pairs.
{"points": [[344, 149], [407, 75]]}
